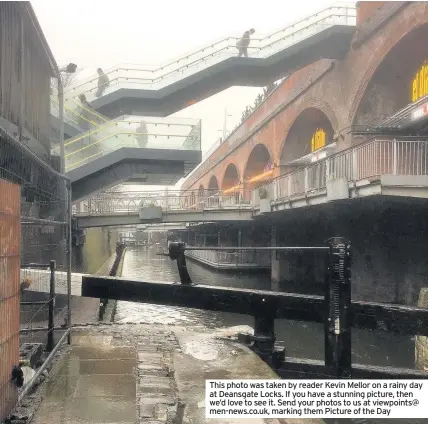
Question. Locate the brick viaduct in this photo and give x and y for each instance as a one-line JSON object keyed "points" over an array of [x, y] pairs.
{"points": [[370, 83]]}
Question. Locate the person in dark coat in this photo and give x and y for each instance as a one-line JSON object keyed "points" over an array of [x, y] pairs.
{"points": [[244, 42]]}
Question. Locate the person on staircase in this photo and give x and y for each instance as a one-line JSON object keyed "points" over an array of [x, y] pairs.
{"points": [[85, 114], [243, 43], [103, 82], [142, 137]]}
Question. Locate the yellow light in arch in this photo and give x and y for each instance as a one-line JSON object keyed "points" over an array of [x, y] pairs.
{"points": [[420, 83], [233, 189], [261, 176], [318, 139]]}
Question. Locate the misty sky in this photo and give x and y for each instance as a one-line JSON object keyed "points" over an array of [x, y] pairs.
{"points": [[96, 34]]}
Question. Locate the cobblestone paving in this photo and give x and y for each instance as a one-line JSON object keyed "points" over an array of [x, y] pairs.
{"points": [[156, 393], [124, 374]]}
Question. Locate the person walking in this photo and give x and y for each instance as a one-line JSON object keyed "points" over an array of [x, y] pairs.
{"points": [[103, 82], [86, 114], [142, 136], [243, 43]]}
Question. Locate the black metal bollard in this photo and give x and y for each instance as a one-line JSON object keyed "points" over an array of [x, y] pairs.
{"points": [[264, 335], [337, 324], [176, 252], [50, 342]]}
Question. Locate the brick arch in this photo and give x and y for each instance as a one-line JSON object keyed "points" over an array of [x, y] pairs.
{"points": [[310, 103], [269, 151], [414, 21], [213, 183], [230, 165]]}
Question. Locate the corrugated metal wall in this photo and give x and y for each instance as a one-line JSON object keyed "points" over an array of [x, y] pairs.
{"points": [[10, 236], [28, 68]]}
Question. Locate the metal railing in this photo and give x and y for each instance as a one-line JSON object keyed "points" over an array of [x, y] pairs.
{"points": [[132, 202], [168, 133], [40, 309], [248, 258], [156, 77], [366, 161], [35, 207]]}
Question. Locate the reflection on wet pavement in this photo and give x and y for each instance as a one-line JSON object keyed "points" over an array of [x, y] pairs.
{"points": [[94, 383], [205, 356]]}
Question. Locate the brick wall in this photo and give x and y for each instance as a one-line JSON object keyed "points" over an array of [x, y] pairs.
{"points": [[10, 236], [366, 9]]}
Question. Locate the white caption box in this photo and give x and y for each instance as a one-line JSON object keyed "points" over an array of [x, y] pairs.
{"points": [[316, 399]]}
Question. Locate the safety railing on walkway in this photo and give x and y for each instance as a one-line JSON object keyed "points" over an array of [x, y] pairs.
{"points": [[366, 161], [156, 77], [249, 258], [132, 202], [167, 133]]}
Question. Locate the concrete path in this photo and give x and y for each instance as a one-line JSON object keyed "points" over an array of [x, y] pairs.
{"points": [[138, 373], [95, 383]]}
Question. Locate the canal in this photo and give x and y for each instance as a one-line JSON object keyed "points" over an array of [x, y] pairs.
{"points": [[302, 340]]}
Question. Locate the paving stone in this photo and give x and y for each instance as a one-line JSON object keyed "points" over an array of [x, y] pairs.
{"points": [[145, 421], [152, 367], [142, 348], [150, 405], [161, 412], [150, 381], [150, 357], [154, 373]]}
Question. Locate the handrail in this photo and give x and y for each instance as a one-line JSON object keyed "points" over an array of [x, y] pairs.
{"points": [[123, 133], [152, 72], [103, 126], [364, 162], [114, 123]]}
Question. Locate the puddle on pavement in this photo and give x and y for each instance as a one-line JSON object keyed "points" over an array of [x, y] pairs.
{"points": [[94, 383]]}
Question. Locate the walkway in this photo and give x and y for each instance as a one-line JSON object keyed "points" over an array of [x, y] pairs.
{"points": [[396, 168], [195, 76], [146, 374]]}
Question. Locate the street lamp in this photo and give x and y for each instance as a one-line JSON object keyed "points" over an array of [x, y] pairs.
{"points": [[69, 69]]}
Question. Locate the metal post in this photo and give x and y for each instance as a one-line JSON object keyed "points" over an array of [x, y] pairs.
{"points": [[69, 251], [394, 157], [22, 94], [50, 343], [306, 180], [61, 123], [176, 252], [264, 335], [264, 332], [337, 324]]}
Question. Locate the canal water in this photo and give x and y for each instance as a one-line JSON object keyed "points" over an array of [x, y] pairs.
{"points": [[302, 340]]}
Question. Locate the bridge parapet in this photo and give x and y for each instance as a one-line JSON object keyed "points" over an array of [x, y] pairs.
{"points": [[133, 202], [370, 161], [400, 164]]}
